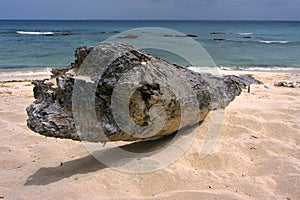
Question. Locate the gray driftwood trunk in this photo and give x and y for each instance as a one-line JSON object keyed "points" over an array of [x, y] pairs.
{"points": [[160, 92]]}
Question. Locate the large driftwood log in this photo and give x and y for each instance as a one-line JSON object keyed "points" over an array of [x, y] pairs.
{"points": [[184, 97]]}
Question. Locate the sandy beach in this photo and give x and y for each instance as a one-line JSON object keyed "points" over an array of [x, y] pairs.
{"points": [[257, 155]]}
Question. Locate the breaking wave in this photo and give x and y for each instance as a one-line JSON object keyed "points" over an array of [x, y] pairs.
{"points": [[245, 33], [47, 33], [273, 41]]}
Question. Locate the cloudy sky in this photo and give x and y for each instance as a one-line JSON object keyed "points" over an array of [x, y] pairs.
{"points": [[151, 9]]}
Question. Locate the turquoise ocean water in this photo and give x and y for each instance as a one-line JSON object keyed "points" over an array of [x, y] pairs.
{"points": [[244, 44]]}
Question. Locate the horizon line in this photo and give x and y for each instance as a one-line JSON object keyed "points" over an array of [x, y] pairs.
{"points": [[129, 19]]}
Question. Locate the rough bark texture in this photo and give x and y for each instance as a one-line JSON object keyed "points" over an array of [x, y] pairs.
{"points": [[154, 82]]}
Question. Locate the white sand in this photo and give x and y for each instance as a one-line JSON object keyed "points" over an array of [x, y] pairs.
{"points": [[256, 157]]}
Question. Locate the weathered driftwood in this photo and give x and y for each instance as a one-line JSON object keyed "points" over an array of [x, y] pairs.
{"points": [[154, 81]]}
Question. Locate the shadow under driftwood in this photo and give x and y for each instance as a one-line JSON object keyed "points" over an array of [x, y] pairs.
{"points": [[89, 163]]}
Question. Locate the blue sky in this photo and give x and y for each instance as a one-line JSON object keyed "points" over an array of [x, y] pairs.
{"points": [[151, 9]]}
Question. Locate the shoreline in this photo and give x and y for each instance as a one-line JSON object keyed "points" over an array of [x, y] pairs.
{"points": [[30, 74], [24, 74]]}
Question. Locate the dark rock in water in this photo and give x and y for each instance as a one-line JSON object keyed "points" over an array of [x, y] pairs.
{"points": [[64, 32], [188, 35], [217, 33], [150, 81], [168, 35], [128, 37], [110, 32], [219, 39], [247, 37], [192, 35]]}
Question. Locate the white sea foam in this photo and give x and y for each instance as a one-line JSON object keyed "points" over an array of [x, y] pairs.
{"points": [[210, 70], [269, 68], [245, 33], [273, 41], [24, 73], [216, 70], [36, 32]]}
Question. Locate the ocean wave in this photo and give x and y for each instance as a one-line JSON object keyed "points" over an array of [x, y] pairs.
{"points": [[35, 33], [273, 41], [47, 33], [245, 33], [202, 69], [24, 73]]}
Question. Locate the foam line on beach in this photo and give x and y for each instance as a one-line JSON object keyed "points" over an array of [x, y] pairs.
{"points": [[25, 74], [260, 68], [201, 69]]}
